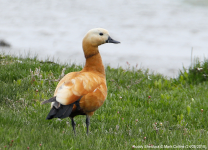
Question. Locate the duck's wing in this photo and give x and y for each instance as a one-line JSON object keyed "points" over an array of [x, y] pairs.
{"points": [[70, 89]]}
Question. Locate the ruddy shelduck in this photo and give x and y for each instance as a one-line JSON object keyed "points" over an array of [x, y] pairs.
{"points": [[83, 92]]}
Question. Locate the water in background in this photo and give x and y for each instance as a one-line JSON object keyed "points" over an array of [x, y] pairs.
{"points": [[155, 34]]}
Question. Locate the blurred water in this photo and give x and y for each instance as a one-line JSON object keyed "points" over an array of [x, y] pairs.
{"points": [[155, 34]]}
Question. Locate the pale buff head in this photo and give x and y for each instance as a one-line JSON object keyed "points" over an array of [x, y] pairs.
{"points": [[93, 39], [98, 36]]}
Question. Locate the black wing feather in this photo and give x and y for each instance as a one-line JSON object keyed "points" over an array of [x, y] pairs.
{"points": [[62, 110], [52, 113], [67, 112]]}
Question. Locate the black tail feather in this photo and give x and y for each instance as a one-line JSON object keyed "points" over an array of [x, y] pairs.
{"points": [[53, 99]]}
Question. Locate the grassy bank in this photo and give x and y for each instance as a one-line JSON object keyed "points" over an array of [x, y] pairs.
{"points": [[141, 109]]}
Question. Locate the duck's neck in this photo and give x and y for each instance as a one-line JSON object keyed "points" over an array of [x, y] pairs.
{"points": [[93, 60]]}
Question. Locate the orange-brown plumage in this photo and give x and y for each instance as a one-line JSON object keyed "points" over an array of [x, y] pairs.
{"points": [[83, 92]]}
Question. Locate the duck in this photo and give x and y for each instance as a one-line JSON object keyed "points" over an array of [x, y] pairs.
{"points": [[83, 92]]}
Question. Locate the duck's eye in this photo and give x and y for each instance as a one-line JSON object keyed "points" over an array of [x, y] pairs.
{"points": [[101, 34]]}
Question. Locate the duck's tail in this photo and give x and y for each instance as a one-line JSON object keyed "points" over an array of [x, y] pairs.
{"points": [[58, 110]]}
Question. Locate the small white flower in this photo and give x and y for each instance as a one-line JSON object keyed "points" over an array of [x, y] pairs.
{"points": [[117, 127], [37, 71], [149, 78], [19, 61], [62, 73], [199, 69]]}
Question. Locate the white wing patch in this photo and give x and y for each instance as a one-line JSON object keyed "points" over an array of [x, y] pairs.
{"points": [[52, 104]]}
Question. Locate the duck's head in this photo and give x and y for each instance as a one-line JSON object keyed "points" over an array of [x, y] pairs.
{"points": [[98, 36]]}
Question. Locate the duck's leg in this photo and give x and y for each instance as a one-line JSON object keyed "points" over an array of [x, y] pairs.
{"points": [[87, 123], [73, 125]]}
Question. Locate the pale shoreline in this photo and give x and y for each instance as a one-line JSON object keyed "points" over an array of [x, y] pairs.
{"points": [[171, 72]]}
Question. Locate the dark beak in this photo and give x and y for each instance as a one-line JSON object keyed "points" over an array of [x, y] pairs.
{"points": [[110, 40]]}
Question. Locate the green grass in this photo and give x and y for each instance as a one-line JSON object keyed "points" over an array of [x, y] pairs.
{"points": [[141, 109]]}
